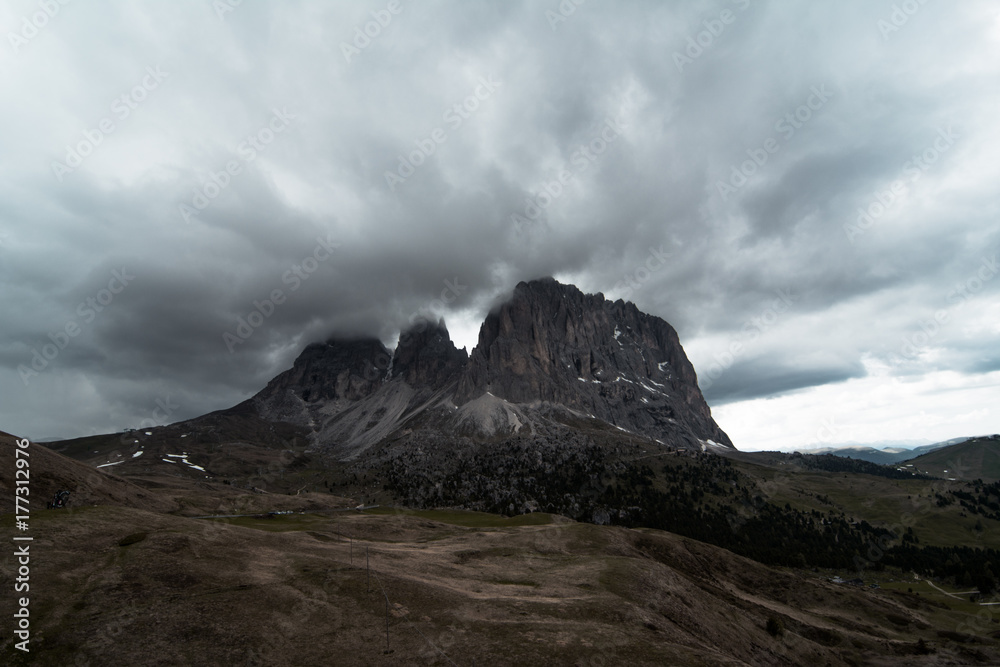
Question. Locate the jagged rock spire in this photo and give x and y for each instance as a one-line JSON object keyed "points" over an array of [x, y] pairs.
{"points": [[426, 356]]}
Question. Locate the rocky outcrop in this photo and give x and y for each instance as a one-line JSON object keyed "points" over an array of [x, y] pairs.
{"points": [[426, 356], [549, 350], [339, 371], [352, 393], [553, 343]]}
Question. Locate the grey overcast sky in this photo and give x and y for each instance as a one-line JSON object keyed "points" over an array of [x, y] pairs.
{"points": [[807, 191]]}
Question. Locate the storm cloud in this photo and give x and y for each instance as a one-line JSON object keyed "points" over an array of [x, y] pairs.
{"points": [[817, 182]]}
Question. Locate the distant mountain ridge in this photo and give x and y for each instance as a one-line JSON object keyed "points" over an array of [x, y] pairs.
{"points": [[888, 455], [550, 349], [882, 455]]}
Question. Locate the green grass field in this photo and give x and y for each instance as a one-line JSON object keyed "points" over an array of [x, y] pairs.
{"points": [[978, 458], [883, 502]]}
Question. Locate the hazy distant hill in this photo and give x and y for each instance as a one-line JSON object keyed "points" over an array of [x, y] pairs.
{"points": [[883, 455]]}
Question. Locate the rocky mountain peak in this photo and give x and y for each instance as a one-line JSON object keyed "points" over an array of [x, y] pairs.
{"points": [[549, 349], [339, 370], [553, 343], [347, 369], [426, 357]]}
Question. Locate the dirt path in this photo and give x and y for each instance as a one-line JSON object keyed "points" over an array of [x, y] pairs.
{"points": [[951, 595]]}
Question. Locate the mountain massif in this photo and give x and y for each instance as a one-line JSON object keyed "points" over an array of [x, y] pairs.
{"points": [[547, 355]]}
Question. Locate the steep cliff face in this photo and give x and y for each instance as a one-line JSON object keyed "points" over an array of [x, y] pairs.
{"points": [[549, 350], [426, 357], [352, 393], [555, 344], [339, 371]]}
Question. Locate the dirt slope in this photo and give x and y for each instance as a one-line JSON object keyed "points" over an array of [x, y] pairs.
{"points": [[50, 472], [118, 585]]}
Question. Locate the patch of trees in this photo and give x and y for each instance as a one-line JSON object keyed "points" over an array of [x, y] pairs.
{"points": [[977, 498], [701, 496], [966, 566], [831, 463]]}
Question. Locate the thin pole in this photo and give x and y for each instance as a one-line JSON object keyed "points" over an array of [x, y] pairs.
{"points": [[387, 624], [352, 550], [368, 569]]}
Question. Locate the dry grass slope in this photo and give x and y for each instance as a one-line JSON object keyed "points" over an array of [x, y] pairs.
{"points": [[119, 585], [128, 580]]}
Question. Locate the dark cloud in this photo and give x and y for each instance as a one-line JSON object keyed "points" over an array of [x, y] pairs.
{"points": [[652, 188], [766, 377]]}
